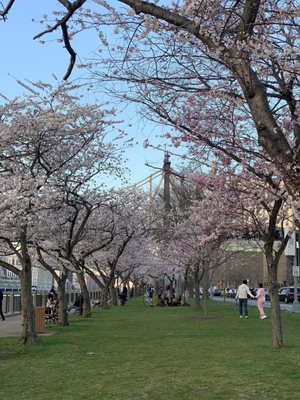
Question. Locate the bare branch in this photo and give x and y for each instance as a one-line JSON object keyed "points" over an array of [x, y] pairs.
{"points": [[71, 7], [70, 50], [71, 10], [6, 9], [66, 4]]}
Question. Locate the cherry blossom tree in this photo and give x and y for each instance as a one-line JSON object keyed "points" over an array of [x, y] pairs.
{"points": [[202, 236], [235, 62], [256, 212], [246, 51], [48, 141], [130, 216], [242, 53], [83, 226]]}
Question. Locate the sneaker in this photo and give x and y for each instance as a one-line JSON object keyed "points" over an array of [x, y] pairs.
{"points": [[264, 317], [246, 317], [241, 316]]}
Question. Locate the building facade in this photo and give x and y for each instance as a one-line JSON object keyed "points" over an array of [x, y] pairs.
{"points": [[42, 279]]}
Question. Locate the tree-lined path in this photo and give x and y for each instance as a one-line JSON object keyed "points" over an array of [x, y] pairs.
{"points": [[222, 77]]}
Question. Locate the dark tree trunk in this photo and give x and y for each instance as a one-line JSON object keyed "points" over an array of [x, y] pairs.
{"points": [[29, 335], [113, 292], [277, 336], [197, 291], [205, 291], [185, 294], [86, 312], [63, 319], [105, 294]]}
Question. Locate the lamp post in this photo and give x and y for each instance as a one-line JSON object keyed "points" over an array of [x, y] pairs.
{"points": [[296, 274]]}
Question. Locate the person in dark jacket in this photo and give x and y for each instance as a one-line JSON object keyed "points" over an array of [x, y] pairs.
{"points": [[79, 303], [123, 295], [1, 300]]}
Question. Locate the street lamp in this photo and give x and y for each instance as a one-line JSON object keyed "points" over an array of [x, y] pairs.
{"points": [[296, 273]]}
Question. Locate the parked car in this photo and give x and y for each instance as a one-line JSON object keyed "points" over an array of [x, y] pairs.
{"points": [[217, 292], [267, 294], [286, 294], [231, 292]]}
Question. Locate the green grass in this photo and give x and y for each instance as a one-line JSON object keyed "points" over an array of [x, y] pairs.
{"points": [[138, 352]]}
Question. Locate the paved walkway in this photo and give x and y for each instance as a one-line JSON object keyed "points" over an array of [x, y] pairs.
{"points": [[11, 326], [284, 307]]}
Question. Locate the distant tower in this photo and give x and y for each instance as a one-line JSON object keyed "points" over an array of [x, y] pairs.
{"points": [[166, 174]]}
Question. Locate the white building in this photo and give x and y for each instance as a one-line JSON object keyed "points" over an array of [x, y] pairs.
{"points": [[42, 280]]}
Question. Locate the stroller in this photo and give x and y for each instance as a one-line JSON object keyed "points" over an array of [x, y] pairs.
{"points": [[77, 307], [51, 309], [51, 313]]}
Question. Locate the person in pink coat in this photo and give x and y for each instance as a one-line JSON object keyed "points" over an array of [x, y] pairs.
{"points": [[261, 298]]}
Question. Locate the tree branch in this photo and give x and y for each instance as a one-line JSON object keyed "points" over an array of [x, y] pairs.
{"points": [[71, 7], [170, 17], [248, 19], [6, 9], [69, 49], [71, 10]]}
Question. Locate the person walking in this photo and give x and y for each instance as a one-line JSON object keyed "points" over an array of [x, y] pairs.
{"points": [[80, 303], [1, 300], [242, 295], [261, 299]]}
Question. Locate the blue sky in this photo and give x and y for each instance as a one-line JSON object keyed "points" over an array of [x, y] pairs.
{"points": [[24, 58]]}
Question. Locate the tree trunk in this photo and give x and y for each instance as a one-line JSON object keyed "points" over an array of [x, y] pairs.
{"points": [[197, 291], [185, 294], [272, 265], [63, 319], [29, 335], [205, 292], [86, 312], [277, 337], [113, 292], [105, 293]]}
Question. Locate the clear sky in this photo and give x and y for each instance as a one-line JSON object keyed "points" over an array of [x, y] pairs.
{"points": [[24, 58]]}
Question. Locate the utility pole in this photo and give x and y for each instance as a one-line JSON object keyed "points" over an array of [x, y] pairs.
{"points": [[296, 272], [167, 173]]}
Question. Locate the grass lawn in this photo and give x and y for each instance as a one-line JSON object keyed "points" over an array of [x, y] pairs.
{"points": [[138, 352]]}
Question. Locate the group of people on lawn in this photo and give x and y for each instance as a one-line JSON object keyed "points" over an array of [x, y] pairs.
{"points": [[169, 299], [242, 295]]}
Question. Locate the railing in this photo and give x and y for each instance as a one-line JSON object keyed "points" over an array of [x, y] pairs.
{"points": [[12, 301]]}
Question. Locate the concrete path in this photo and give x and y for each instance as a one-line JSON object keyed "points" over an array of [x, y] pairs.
{"points": [[11, 326], [284, 307]]}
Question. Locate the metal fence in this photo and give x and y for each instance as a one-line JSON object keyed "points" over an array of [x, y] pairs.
{"points": [[12, 301]]}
